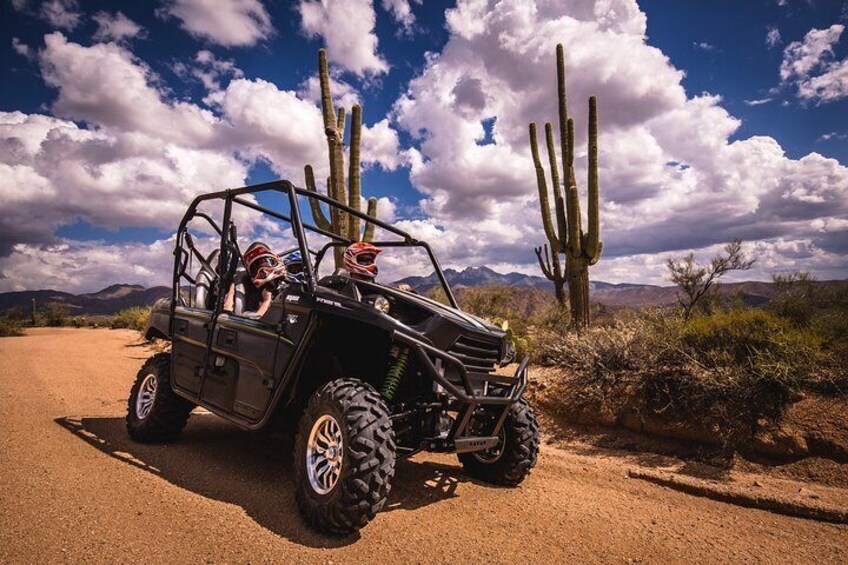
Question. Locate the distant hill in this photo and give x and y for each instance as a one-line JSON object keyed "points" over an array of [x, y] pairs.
{"points": [[753, 293], [110, 300], [623, 293], [119, 296]]}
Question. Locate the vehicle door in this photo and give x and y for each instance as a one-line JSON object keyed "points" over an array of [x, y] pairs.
{"points": [[249, 357]]}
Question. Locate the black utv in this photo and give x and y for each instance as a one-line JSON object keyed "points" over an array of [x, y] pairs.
{"points": [[364, 372]]}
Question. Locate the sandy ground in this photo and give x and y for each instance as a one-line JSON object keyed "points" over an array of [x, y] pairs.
{"points": [[73, 488]]}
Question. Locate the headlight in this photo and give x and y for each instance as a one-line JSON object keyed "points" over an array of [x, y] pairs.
{"points": [[382, 304]]}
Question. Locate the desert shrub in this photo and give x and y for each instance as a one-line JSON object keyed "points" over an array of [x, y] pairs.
{"points": [[134, 318], [730, 372], [10, 327], [748, 337], [55, 314], [17, 313], [795, 297]]}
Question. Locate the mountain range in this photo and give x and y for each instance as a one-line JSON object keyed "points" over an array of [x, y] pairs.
{"points": [[753, 293], [108, 301], [120, 296]]}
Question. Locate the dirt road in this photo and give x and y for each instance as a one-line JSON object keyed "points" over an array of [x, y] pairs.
{"points": [[73, 488]]}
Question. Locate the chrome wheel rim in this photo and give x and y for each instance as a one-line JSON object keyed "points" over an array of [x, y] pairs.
{"points": [[324, 454], [146, 396], [492, 454]]}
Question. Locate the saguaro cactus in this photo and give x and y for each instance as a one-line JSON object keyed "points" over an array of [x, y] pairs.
{"points": [[581, 249], [340, 223], [34, 313]]}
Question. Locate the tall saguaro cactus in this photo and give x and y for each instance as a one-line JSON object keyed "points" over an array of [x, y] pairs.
{"points": [[340, 223], [581, 249]]}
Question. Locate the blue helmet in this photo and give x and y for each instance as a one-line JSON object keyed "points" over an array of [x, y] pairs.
{"points": [[294, 265]]}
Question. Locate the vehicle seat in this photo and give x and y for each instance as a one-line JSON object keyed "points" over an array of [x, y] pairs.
{"points": [[206, 279]]}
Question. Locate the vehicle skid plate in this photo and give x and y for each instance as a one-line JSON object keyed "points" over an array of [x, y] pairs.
{"points": [[468, 444]]}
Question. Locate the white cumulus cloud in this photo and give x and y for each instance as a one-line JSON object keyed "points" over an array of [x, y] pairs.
{"points": [[809, 65], [671, 178], [347, 28], [231, 23], [115, 27]]}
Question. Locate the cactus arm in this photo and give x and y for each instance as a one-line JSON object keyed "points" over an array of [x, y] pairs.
{"points": [[326, 99], [317, 214], [339, 187], [340, 121], [541, 183], [334, 144], [597, 257], [543, 262], [562, 223], [563, 112], [572, 199], [354, 178], [372, 213], [557, 190], [574, 233], [593, 248], [552, 158]]}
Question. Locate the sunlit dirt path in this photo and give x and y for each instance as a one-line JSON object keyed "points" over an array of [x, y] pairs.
{"points": [[73, 488]]}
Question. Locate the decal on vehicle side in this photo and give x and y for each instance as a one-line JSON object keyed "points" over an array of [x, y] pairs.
{"points": [[328, 302]]}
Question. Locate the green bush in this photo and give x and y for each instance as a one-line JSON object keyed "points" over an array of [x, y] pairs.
{"points": [[134, 318], [10, 327], [730, 372], [55, 314]]}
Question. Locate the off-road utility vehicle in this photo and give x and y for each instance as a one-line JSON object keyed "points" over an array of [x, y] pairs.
{"points": [[366, 373]]}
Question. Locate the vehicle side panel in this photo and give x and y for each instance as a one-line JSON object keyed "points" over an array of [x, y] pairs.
{"points": [[191, 327]]}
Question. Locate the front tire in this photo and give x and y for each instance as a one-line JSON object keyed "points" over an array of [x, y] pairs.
{"points": [[155, 413], [509, 462], [344, 459]]}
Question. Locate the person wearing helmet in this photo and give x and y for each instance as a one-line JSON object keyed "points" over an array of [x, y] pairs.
{"points": [[266, 272], [294, 266], [360, 260]]}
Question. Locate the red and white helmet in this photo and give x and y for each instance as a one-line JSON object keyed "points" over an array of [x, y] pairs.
{"points": [[262, 264], [360, 259]]}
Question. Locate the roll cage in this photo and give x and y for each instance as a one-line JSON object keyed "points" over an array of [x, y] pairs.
{"points": [[230, 255]]}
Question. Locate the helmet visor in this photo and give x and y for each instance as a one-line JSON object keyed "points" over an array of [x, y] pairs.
{"points": [[365, 259]]}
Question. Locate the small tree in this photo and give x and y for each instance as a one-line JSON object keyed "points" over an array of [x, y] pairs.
{"points": [[696, 282], [794, 297], [56, 314]]}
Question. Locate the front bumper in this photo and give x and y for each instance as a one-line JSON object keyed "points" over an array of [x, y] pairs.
{"points": [[466, 396]]}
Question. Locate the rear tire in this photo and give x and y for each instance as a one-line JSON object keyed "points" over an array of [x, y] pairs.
{"points": [[342, 483], [155, 413], [508, 463]]}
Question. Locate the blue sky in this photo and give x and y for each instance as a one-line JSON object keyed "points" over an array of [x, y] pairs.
{"points": [[702, 136]]}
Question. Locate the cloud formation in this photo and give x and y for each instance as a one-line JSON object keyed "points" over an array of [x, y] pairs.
{"points": [[139, 156], [401, 12], [347, 28], [808, 65], [230, 23], [119, 150], [671, 178], [115, 27]]}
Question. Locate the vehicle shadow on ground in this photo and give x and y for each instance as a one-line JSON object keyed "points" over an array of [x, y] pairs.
{"points": [[216, 460]]}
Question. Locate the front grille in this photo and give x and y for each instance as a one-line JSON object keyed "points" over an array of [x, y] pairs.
{"points": [[478, 356]]}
